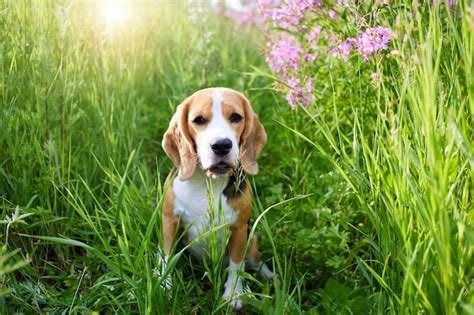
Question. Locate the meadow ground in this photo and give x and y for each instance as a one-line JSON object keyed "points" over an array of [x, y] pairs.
{"points": [[363, 203]]}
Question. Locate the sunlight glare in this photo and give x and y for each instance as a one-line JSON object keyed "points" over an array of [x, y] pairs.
{"points": [[115, 13]]}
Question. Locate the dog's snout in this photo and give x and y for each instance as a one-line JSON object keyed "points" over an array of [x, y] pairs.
{"points": [[222, 147]]}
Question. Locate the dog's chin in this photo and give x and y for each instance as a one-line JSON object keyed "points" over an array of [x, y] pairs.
{"points": [[219, 169]]}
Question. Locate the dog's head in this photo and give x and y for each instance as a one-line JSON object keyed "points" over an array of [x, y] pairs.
{"points": [[216, 130]]}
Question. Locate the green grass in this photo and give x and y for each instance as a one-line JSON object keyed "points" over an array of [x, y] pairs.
{"points": [[363, 201]]}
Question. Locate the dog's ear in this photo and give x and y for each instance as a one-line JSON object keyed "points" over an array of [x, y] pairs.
{"points": [[178, 144], [252, 140]]}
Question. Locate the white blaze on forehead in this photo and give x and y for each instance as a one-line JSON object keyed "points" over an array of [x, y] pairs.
{"points": [[217, 97], [217, 116], [218, 126]]}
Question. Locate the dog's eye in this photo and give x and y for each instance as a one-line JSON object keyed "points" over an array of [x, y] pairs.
{"points": [[235, 118], [199, 120]]}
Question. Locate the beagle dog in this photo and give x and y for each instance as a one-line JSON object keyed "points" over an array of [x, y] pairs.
{"points": [[213, 139]]}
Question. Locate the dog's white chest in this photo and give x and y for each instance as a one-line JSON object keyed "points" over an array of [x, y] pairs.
{"points": [[201, 206]]}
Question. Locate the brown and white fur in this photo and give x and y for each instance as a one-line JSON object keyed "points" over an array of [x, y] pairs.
{"points": [[213, 138]]}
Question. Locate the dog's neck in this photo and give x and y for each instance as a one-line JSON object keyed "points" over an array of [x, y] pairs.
{"points": [[200, 179], [231, 186], [236, 184]]}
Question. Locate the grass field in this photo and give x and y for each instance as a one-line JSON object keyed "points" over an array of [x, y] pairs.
{"points": [[364, 200]]}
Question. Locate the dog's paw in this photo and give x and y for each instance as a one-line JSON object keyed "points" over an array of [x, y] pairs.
{"points": [[233, 292], [166, 282], [262, 269], [265, 272], [235, 302]]}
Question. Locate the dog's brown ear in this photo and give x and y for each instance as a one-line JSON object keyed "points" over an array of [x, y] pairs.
{"points": [[252, 140], [178, 144]]}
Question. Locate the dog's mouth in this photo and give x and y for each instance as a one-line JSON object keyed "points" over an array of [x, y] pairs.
{"points": [[220, 168]]}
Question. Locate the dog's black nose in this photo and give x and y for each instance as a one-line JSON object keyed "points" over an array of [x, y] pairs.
{"points": [[222, 147]]}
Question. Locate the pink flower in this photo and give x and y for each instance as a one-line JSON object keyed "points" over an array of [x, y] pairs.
{"points": [[246, 14], [242, 18], [367, 43], [332, 15], [344, 48], [264, 3], [293, 82], [292, 12], [283, 55], [309, 57], [373, 40], [218, 9], [311, 36], [299, 94], [264, 8]]}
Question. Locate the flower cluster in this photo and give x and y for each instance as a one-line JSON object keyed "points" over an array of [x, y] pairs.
{"points": [[291, 14], [299, 93], [302, 32], [284, 58], [283, 54], [241, 14], [367, 43], [373, 40]]}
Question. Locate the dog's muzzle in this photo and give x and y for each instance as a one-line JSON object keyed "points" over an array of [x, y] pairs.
{"points": [[222, 164], [221, 168]]}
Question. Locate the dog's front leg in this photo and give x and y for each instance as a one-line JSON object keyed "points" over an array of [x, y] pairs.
{"points": [[233, 285], [169, 221]]}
